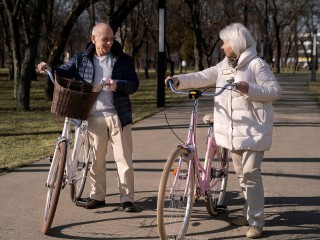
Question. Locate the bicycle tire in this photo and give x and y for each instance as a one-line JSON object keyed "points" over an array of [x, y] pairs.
{"points": [[56, 175], [214, 197], [83, 159], [174, 211]]}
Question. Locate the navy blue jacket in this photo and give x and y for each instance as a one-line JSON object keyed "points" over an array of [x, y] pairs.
{"points": [[80, 67]]}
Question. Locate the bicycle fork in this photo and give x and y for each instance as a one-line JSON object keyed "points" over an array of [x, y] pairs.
{"points": [[179, 174], [54, 160]]}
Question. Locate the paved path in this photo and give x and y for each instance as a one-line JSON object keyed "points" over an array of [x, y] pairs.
{"points": [[291, 173]]}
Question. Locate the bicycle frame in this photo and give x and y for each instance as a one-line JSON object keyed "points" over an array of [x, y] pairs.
{"points": [[202, 171], [185, 178]]}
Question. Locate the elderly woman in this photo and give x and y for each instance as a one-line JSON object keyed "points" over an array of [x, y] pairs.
{"points": [[243, 118]]}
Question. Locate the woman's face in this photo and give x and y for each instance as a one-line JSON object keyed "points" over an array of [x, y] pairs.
{"points": [[228, 50]]}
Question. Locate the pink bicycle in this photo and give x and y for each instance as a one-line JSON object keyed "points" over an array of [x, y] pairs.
{"points": [[186, 178]]}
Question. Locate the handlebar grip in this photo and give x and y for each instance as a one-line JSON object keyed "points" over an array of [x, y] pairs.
{"points": [[48, 73], [170, 82]]}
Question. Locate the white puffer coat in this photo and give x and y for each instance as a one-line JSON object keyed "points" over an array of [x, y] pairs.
{"points": [[242, 122]]}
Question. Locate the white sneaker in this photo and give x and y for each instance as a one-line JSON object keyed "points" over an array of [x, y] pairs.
{"points": [[254, 232]]}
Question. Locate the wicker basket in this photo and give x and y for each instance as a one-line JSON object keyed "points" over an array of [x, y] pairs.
{"points": [[74, 99]]}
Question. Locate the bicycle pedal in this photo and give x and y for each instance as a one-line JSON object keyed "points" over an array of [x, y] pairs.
{"points": [[221, 209]]}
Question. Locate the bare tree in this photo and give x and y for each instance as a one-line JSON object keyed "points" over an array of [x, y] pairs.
{"points": [[5, 38], [136, 31], [283, 14], [195, 10], [117, 11], [24, 20], [262, 28], [117, 16]]}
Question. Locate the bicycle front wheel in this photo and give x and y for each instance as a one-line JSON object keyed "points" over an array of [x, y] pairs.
{"points": [[54, 183], [83, 158], [176, 195], [214, 197]]}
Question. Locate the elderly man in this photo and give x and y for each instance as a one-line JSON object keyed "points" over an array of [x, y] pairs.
{"points": [[111, 117]]}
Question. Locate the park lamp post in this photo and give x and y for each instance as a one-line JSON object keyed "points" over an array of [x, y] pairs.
{"points": [[161, 55], [314, 56]]}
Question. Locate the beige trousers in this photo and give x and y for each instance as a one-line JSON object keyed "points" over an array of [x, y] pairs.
{"points": [[103, 130], [247, 165]]}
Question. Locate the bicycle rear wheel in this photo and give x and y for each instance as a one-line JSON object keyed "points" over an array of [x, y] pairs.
{"points": [[54, 183], [214, 197], [83, 158], [176, 195]]}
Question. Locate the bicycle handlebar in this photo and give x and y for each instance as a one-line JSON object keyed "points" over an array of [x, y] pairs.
{"points": [[230, 83], [48, 73]]}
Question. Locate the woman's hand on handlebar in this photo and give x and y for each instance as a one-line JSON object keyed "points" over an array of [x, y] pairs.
{"points": [[242, 87], [174, 79], [43, 66]]}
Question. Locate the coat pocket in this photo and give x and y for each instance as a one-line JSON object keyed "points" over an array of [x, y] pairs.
{"points": [[258, 111]]}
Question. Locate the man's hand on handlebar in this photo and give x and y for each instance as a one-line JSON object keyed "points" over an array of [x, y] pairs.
{"points": [[110, 83], [43, 66]]}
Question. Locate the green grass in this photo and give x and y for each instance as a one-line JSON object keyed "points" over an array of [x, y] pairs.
{"points": [[27, 137]]}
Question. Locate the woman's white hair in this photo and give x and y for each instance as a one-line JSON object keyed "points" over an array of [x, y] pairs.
{"points": [[238, 37]]}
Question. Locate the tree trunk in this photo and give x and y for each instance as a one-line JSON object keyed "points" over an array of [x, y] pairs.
{"points": [[16, 55], [24, 20], [60, 42], [23, 100], [278, 42], [194, 7]]}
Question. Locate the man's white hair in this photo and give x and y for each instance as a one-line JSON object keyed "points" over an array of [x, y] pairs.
{"points": [[100, 28]]}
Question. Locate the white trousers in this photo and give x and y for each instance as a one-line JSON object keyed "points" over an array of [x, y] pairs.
{"points": [[247, 165], [103, 130]]}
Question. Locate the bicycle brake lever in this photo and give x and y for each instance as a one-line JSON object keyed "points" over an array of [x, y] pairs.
{"points": [[231, 80], [232, 83]]}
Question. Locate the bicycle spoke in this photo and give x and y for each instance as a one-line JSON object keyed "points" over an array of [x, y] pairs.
{"points": [[83, 158]]}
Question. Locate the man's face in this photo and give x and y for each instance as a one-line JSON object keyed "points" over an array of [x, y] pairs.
{"points": [[103, 42]]}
